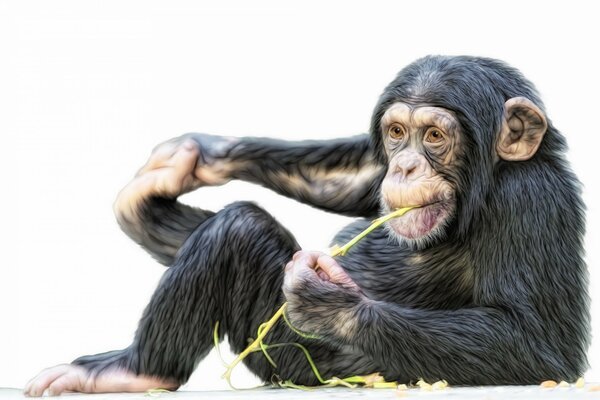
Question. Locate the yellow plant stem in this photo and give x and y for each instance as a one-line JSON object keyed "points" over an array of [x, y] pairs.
{"points": [[254, 345], [341, 251], [266, 327]]}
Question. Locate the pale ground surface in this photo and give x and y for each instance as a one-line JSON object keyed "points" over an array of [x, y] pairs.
{"points": [[487, 393]]}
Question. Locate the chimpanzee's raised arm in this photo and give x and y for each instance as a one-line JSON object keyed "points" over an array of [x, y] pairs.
{"points": [[340, 175]]}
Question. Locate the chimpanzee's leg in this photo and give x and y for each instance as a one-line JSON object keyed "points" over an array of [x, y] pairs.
{"points": [[229, 270]]}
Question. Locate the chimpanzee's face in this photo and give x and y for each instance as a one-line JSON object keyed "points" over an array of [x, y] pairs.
{"points": [[420, 141]]}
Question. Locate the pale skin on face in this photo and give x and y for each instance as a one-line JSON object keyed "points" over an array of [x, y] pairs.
{"points": [[410, 133], [423, 129]]}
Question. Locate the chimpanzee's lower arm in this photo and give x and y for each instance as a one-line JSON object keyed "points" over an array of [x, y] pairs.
{"points": [[479, 345], [340, 175]]}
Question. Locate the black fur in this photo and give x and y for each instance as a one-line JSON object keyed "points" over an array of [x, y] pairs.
{"points": [[501, 300]]}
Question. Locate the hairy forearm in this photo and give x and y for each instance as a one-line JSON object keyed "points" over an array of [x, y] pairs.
{"points": [[339, 175], [478, 345]]}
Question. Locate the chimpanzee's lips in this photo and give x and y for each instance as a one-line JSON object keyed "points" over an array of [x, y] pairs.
{"points": [[425, 205], [421, 220], [433, 203]]}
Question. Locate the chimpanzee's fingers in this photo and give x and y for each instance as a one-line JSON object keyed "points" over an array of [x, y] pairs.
{"points": [[41, 381], [335, 272], [184, 160], [301, 267], [330, 266], [160, 154], [69, 381], [287, 276], [292, 274], [174, 177], [307, 258]]}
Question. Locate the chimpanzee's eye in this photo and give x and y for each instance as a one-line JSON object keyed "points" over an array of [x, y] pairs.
{"points": [[434, 135], [396, 132]]}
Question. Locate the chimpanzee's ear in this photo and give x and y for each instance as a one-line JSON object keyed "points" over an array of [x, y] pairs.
{"points": [[523, 129]]}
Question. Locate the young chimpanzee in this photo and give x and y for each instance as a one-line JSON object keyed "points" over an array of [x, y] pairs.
{"points": [[483, 284]]}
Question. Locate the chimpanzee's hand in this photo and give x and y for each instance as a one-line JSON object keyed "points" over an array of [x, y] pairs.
{"points": [[187, 162], [322, 298], [178, 166]]}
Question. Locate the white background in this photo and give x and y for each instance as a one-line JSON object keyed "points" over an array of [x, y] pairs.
{"points": [[88, 88]]}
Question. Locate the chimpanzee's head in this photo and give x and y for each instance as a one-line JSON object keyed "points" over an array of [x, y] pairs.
{"points": [[442, 127]]}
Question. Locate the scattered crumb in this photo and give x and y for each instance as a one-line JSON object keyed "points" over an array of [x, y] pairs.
{"points": [[439, 385], [402, 387], [595, 388], [384, 385], [548, 384], [563, 384], [156, 392], [424, 385], [580, 383], [371, 379]]}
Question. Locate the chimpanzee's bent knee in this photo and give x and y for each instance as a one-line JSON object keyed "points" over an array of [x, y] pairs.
{"points": [[256, 248]]}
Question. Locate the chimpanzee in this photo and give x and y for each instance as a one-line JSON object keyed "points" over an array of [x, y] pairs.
{"points": [[482, 284]]}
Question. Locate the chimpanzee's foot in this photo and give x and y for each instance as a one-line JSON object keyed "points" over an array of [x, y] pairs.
{"points": [[74, 378]]}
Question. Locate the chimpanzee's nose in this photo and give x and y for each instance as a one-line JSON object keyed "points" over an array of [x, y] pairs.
{"points": [[408, 167]]}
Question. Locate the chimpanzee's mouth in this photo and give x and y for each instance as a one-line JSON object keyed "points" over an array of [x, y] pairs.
{"points": [[427, 205], [423, 219], [433, 203]]}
